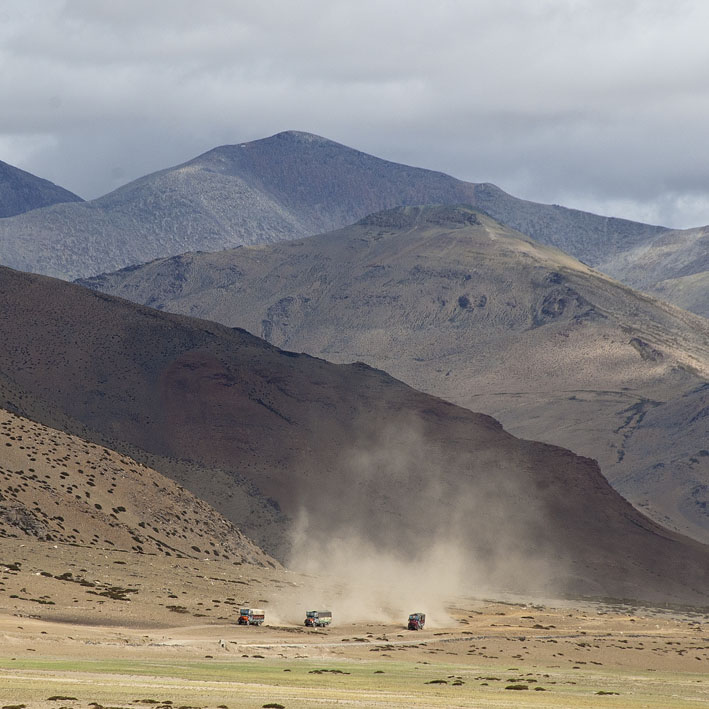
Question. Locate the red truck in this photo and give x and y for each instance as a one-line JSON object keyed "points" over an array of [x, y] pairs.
{"points": [[417, 621]]}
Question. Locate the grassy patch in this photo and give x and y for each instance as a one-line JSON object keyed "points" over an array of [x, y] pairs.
{"points": [[240, 683]]}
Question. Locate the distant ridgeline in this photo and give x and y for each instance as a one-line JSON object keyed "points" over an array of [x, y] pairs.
{"points": [[283, 187]]}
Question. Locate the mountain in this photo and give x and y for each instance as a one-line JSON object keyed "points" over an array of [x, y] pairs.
{"points": [[673, 266], [21, 192], [354, 458], [59, 488], [287, 186], [459, 306], [228, 492]]}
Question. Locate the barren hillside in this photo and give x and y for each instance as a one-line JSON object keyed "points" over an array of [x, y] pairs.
{"points": [[59, 488], [457, 305], [366, 468], [673, 266]]}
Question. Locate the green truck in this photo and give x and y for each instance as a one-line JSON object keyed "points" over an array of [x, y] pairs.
{"points": [[251, 616], [318, 619]]}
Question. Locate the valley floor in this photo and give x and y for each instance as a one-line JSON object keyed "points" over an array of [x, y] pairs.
{"points": [[87, 628]]}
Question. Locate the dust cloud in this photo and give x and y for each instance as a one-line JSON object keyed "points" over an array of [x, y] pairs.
{"points": [[359, 582], [409, 528]]}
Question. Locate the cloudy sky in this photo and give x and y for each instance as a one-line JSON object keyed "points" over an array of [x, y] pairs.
{"points": [[596, 104]]}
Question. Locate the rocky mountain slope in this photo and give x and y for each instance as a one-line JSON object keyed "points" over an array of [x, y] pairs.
{"points": [[673, 266], [21, 192], [59, 488], [459, 306], [287, 186], [357, 460]]}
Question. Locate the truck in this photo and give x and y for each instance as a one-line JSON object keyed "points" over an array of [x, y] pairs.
{"points": [[318, 619], [251, 616], [417, 621]]}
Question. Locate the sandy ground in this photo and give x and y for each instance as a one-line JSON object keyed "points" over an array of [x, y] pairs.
{"points": [[174, 642]]}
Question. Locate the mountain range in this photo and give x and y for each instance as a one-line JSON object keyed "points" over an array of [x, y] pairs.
{"points": [[290, 185], [301, 454], [462, 307], [348, 453], [295, 184]]}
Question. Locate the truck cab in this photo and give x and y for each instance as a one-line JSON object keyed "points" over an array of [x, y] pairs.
{"points": [[417, 621]]}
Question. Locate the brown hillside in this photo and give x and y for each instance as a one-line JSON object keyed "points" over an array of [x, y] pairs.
{"points": [[356, 458], [58, 488]]}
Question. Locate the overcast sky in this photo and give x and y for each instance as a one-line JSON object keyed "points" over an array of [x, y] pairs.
{"points": [[597, 104]]}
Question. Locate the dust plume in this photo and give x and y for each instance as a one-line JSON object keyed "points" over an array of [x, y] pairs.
{"points": [[394, 532]]}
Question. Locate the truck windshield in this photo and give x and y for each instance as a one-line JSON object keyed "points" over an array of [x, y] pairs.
{"points": [[311, 614], [244, 611]]}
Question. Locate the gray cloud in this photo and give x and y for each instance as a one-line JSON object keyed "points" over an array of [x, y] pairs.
{"points": [[588, 103]]}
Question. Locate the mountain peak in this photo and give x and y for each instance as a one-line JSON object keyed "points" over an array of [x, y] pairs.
{"points": [[299, 136], [276, 142]]}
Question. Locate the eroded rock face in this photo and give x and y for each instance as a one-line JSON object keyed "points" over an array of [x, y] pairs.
{"points": [[14, 515], [645, 350], [560, 303]]}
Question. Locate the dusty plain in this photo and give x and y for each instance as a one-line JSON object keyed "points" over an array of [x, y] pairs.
{"points": [[170, 640]]}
